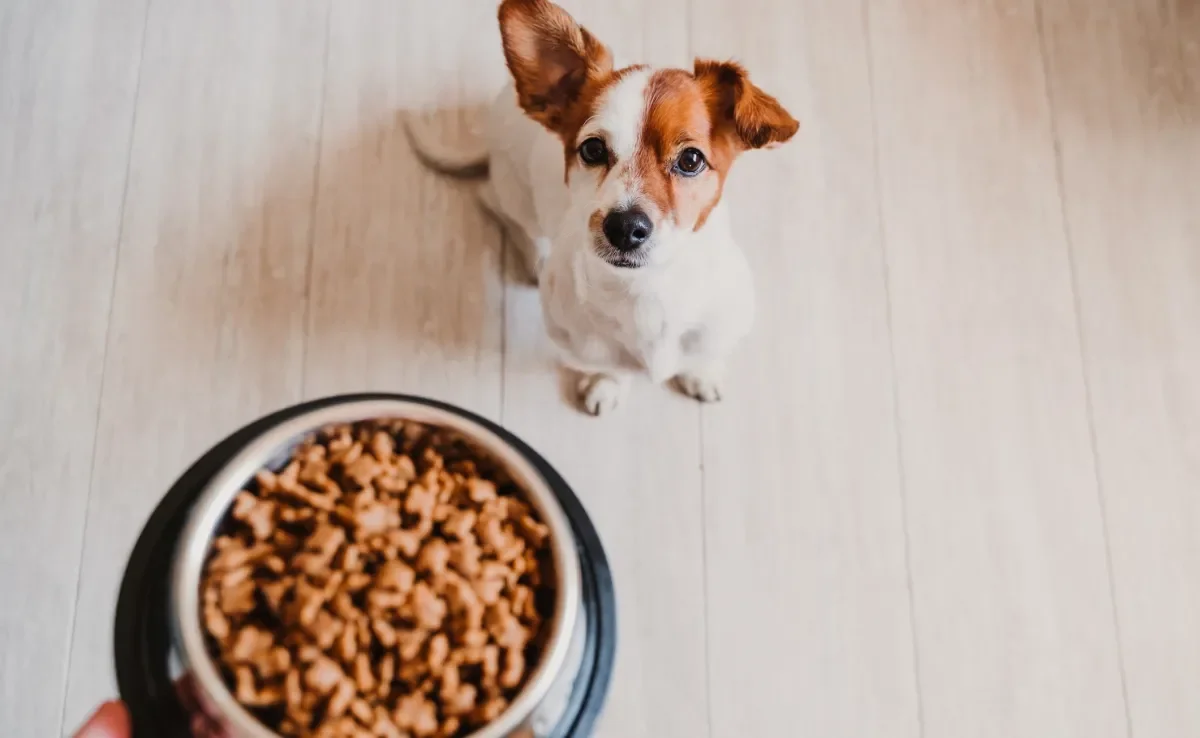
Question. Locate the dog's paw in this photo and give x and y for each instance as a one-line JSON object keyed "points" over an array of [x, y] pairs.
{"points": [[704, 389], [601, 393]]}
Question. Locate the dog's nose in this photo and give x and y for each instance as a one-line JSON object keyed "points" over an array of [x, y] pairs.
{"points": [[627, 229]]}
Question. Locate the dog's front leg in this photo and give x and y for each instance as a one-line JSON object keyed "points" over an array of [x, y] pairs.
{"points": [[602, 392], [663, 361], [703, 381]]}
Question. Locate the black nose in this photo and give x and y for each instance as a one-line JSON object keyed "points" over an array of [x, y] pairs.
{"points": [[627, 229]]}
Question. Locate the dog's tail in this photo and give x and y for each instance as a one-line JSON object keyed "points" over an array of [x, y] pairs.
{"points": [[435, 154]]}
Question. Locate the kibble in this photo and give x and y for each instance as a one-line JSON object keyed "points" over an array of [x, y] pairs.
{"points": [[388, 581]]}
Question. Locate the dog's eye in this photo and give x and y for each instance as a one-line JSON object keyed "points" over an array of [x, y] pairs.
{"points": [[593, 152], [690, 163]]}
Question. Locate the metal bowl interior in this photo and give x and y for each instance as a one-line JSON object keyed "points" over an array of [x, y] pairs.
{"points": [[271, 449]]}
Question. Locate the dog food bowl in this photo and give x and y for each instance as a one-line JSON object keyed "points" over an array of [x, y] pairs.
{"points": [[159, 635]]}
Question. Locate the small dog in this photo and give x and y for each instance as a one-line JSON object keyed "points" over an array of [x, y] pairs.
{"points": [[609, 182]]}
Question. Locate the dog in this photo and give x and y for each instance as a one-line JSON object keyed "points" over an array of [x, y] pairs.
{"points": [[608, 180]]}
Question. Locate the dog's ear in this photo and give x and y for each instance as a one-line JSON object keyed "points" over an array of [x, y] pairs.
{"points": [[756, 119], [551, 57]]}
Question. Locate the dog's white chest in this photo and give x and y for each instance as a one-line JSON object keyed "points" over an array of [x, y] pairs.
{"points": [[604, 320]]}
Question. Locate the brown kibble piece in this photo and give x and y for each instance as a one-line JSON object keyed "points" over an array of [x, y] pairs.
{"points": [[323, 676], [326, 540], [363, 470], [461, 701], [387, 672], [382, 446], [275, 663], [325, 629], [406, 542], [466, 557], [375, 519], [246, 690], [293, 690], [238, 599], [420, 501], [308, 601], [514, 668], [490, 710], [535, 532], [361, 710], [409, 643], [416, 714], [396, 576], [215, 622], [382, 600], [481, 490], [434, 557], [439, 650], [427, 608], [490, 663], [384, 632], [504, 627], [266, 481], [363, 676], [343, 694], [460, 524], [258, 514], [250, 644]]}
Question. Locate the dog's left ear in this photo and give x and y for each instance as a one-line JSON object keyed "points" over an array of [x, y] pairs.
{"points": [[552, 58], [756, 118]]}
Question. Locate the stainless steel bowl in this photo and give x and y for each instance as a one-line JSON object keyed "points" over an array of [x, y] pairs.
{"points": [[543, 701]]}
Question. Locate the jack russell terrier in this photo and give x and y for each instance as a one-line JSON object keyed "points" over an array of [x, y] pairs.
{"points": [[609, 183]]}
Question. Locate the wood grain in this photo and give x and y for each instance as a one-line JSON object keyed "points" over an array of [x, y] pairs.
{"points": [[808, 604], [406, 283], [1125, 83], [1015, 632], [207, 329], [68, 75], [951, 492]]}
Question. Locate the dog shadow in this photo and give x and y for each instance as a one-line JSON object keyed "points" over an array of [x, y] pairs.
{"points": [[363, 271]]}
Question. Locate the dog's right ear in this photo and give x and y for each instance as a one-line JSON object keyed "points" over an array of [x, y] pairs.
{"points": [[551, 57]]}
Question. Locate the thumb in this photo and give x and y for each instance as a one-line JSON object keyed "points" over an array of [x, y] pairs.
{"points": [[110, 720]]}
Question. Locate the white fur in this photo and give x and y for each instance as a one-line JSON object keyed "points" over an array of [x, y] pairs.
{"points": [[677, 317]]}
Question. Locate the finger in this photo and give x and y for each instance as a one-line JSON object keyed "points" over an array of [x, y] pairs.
{"points": [[185, 690], [111, 720], [202, 727]]}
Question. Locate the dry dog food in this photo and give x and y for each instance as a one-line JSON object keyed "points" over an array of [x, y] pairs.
{"points": [[389, 582]]}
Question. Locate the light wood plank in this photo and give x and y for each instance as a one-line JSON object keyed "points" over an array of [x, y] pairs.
{"points": [[207, 326], [1125, 82], [809, 617], [68, 75], [406, 284], [1013, 611], [637, 471]]}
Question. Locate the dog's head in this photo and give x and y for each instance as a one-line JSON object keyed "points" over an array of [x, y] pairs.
{"points": [[646, 150]]}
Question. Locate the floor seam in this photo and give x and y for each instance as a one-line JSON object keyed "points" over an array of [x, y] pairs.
{"points": [[314, 199], [1077, 306], [108, 337], [902, 476], [701, 413]]}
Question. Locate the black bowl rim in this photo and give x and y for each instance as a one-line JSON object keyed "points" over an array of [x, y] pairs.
{"points": [[141, 637]]}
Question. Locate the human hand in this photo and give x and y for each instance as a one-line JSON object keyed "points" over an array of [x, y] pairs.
{"points": [[112, 720]]}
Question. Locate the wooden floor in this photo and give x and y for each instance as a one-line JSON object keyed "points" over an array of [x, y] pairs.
{"points": [[954, 491]]}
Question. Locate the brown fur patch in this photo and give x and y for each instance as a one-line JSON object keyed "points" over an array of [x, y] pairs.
{"points": [[558, 67], [678, 117], [553, 60], [579, 114], [742, 112]]}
